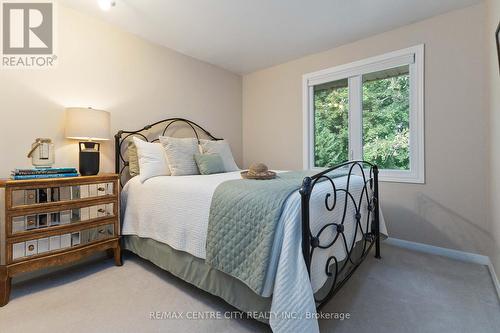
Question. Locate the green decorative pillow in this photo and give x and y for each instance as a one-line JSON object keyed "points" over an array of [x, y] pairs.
{"points": [[209, 163], [133, 159]]}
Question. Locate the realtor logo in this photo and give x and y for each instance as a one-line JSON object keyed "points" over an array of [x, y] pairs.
{"points": [[28, 34]]}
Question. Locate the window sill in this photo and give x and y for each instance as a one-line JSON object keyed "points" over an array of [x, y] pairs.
{"points": [[389, 179], [396, 176]]}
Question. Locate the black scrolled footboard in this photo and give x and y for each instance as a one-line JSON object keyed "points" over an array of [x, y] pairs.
{"points": [[339, 272]]}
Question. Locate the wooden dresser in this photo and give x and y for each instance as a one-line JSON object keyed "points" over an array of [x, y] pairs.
{"points": [[48, 222]]}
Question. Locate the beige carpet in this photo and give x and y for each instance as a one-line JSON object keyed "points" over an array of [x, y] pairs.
{"points": [[404, 292]]}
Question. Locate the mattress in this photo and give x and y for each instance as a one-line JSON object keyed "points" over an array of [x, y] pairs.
{"points": [[175, 211]]}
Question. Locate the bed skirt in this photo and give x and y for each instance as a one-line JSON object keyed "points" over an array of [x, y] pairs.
{"points": [[194, 271]]}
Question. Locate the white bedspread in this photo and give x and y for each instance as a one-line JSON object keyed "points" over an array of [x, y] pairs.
{"points": [[175, 211]]}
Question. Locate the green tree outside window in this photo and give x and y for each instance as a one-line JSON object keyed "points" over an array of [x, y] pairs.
{"points": [[385, 123]]}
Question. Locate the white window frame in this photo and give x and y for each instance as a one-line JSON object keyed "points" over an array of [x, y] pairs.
{"points": [[414, 57]]}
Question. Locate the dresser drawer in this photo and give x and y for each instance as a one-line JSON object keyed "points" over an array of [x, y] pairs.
{"points": [[21, 224], [47, 195], [63, 241]]}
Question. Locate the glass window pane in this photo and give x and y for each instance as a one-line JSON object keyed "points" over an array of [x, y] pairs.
{"points": [[331, 123], [386, 111]]}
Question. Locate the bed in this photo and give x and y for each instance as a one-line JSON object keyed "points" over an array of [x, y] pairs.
{"points": [[326, 228]]}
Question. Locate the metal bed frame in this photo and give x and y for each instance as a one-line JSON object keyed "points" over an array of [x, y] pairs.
{"points": [[367, 223]]}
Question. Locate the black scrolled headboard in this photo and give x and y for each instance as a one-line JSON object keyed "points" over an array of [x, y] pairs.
{"points": [[122, 136]]}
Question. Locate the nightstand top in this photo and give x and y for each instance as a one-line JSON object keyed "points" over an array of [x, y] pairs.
{"points": [[41, 181]]}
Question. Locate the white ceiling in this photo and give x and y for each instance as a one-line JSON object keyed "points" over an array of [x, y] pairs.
{"points": [[246, 35]]}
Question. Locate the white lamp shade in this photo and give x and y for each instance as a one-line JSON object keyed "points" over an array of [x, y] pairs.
{"points": [[87, 124]]}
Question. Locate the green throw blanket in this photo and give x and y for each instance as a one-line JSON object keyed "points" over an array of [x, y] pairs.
{"points": [[243, 217]]}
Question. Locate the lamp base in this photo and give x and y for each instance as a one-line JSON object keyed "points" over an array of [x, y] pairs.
{"points": [[89, 158]]}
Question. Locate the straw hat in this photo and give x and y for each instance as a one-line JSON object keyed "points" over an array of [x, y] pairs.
{"points": [[258, 171]]}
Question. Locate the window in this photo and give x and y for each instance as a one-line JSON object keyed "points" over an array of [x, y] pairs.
{"points": [[331, 123], [386, 123], [368, 110]]}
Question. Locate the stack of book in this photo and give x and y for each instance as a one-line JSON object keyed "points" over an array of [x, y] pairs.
{"points": [[19, 174]]}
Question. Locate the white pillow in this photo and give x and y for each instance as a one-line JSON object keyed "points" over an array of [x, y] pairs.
{"points": [[152, 160], [180, 155], [222, 148]]}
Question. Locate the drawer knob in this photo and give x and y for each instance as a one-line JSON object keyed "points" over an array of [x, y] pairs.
{"points": [[31, 222], [100, 210], [101, 231], [101, 189], [31, 247]]}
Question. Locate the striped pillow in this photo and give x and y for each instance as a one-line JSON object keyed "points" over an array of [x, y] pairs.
{"points": [[180, 155]]}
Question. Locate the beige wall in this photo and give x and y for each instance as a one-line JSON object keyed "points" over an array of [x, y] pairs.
{"points": [[493, 19], [104, 67], [450, 210]]}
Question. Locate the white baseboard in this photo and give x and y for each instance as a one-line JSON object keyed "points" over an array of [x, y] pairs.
{"points": [[494, 277], [449, 253]]}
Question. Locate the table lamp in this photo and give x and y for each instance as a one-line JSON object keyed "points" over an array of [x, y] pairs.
{"points": [[88, 125]]}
